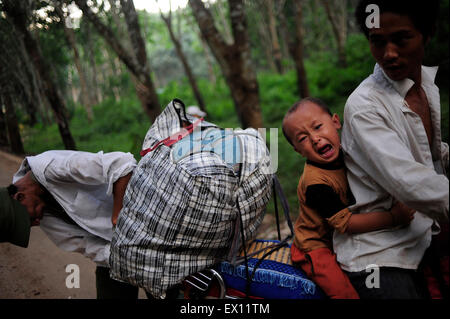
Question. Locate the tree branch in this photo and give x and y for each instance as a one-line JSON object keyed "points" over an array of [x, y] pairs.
{"points": [[109, 37], [208, 29]]}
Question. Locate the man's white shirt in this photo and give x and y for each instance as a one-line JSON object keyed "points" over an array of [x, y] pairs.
{"points": [[388, 157], [82, 183]]}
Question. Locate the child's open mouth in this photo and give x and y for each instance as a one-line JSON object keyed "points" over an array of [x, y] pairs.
{"points": [[326, 151]]}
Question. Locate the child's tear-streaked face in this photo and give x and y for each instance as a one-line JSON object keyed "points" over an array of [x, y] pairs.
{"points": [[314, 133]]}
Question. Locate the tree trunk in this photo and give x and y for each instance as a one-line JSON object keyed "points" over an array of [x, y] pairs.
{"points": [[95, 93], [108, 70], [285, 33], [220, 10], [32, 47], [278, 11], [262, 25], [70, 38], [234, 60], [3, 128], [298, 54], [209, 61], [136, 62], [145, 88], [18, 72], [15, 141], [265, 40], [295, 44], [276, 49], [29, 88], [193, 82], [45, 111], [337, 14], [121, 31]]}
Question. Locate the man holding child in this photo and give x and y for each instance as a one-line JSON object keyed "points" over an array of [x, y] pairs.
{"points": [[391, 196], [393, 150]]}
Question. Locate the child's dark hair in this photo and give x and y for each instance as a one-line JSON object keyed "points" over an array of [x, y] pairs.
{"points": [[297, 104], [423, 14]]}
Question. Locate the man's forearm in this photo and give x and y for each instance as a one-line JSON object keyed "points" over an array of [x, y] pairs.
{"points": [[119, 188]]}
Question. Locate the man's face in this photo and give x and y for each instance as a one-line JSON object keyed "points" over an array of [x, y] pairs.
{"points": [[29, 195], [314, 133], [398, 47]]}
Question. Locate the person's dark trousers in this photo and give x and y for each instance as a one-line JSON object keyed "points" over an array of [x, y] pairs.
{"points": [[108, 288], [435, 264], [173, 292], [394, 283]]}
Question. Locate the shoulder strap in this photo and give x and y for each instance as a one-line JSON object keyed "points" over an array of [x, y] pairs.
{"points": [[284, 203], [169, 141], [238, 238], [269, 249]]}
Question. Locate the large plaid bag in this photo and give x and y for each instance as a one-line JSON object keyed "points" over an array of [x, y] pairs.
{"points": [[184, 201]]}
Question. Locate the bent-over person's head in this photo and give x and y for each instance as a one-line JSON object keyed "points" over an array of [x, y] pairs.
{"points": [[14, 220], [28, 192]]}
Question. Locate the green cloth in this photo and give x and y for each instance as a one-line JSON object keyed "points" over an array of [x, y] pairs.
{"points": [[14, 220]]}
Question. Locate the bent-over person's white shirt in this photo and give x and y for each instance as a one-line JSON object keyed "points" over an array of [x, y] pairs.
{"points": [[82, 183], [388, 156]]}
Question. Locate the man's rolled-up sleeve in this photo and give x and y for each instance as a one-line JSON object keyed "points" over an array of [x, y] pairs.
{"points": [[92, 168], [389, 162]]}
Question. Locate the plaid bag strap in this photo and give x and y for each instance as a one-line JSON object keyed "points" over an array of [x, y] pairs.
{"points": [[284, 203], [233, 255], [169, 141], [268, 249]]}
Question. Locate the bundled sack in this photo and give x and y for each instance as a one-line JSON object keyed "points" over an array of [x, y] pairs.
{"points": [[182, 204]]}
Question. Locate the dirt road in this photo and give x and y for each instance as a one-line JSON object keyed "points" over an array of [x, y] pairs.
{"points": [[39, 271]]}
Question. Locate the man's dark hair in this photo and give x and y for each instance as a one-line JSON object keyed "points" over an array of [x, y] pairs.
{"points": [[423, 14], [297, 104], [12, 189]]}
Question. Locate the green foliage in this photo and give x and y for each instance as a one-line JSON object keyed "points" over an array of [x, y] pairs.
{"points": [[437, 51], [278, 94], [219, 105], [41, 138], [289, 169], [331, 83], [54, 48], [117, 126]]}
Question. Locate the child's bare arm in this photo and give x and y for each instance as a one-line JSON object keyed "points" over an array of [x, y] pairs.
{"points": [[399, 214]]}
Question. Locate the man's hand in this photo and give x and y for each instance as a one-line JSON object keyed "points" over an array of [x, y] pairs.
{"points": [[119, 188], [401, 214]]}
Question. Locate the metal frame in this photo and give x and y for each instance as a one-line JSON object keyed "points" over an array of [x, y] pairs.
{"points": [[204, 279]]}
